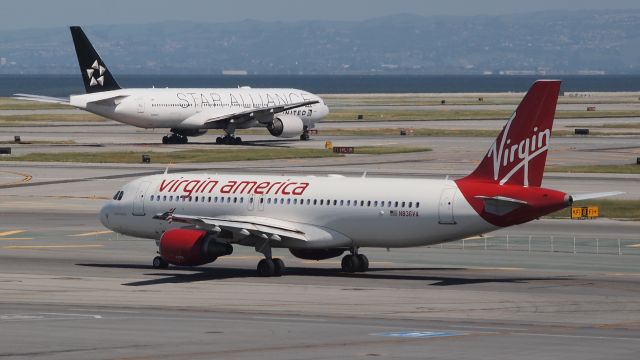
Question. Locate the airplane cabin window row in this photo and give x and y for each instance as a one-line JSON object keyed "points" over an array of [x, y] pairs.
{"points": [[288, 201]]}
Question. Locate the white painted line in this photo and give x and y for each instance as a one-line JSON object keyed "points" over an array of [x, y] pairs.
{"points": [[487, 327], [292, 319], [78, 315]]}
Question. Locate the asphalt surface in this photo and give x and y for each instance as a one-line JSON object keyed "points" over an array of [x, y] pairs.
{"points": [[70, 289]]}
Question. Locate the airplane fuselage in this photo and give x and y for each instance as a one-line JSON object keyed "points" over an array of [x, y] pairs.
{"points": [[360, 212], [170, 108]]}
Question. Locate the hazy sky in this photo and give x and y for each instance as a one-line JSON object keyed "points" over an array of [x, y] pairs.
{"points": [[48, 13]]}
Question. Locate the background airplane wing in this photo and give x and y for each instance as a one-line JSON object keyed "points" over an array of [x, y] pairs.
{"points": [[40, 98], [204, 119], [247, 230]]}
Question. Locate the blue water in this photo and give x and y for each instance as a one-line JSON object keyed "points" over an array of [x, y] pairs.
{"points": [[63, 85]]}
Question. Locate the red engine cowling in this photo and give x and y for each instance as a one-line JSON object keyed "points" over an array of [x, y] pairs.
{"points": [[187, 247]]}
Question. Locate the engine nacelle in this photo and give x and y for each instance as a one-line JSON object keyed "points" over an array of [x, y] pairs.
{"points": [[187, 247], [286, 126], [316, 254]]}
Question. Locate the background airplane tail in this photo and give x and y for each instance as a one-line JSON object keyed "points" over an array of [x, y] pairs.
{"points": [[95, 75], [519, 153]]}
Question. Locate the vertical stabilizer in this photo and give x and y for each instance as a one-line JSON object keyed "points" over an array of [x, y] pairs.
{"points": [[95, 75], [519, 153]]}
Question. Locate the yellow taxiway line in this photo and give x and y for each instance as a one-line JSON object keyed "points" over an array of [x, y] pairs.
{"points": [[101, 232], [14, 239], [11, 232]]}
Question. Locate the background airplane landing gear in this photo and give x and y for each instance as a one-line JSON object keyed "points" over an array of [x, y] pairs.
{"points": [[174, 139], [270, 267], [305, 133], [229, 140], [160, 263]]}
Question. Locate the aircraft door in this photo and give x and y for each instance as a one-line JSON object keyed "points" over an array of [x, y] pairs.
{"points": [[138, 201], [141, 106], [445, 207]]}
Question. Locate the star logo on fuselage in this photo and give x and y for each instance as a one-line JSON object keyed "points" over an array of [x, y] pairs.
{"points": [[96, 74]]}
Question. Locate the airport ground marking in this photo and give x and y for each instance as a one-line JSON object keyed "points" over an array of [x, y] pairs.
{"points": [[11, 232], [417, 334], [14, 239], [36, 247], [101, 232]]}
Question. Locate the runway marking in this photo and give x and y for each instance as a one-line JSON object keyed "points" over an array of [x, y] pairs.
{"points": [[417, 334], [634, 246], [11, 232], [25, 178], [487, 327], [93, 233], [79, 315], [323, 262], [27, 247], [288, 319], [14, 239]]}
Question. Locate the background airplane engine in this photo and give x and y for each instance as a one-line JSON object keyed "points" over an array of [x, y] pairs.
{"points": [[316, 254], [286, 126], [189, 247]]}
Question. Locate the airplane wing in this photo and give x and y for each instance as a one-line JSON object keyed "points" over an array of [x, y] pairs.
{"points": [[590, 196], [40, 98], [247, 230], [204, 119]]}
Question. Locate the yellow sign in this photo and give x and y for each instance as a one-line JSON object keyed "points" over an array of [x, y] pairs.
{"points": [[585, 212], [328, 145]]}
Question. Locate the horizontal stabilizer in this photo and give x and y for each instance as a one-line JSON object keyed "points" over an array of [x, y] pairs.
{"points": [[500, 205], [590, 196], [40, 98]]}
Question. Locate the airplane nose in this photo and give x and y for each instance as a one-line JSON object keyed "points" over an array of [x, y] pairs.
{"points": [[104, 215]]}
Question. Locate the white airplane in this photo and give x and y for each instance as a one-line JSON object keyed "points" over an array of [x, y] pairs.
{"points": [[189, 112], [197, 218]]}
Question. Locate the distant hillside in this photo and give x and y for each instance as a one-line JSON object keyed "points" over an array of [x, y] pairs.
{"points": [[551, 42]]}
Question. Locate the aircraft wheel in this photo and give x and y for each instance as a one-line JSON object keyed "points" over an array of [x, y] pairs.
{"points": [[165, 139], [278, 267], [160, 263], [364, 263], [266, 267], [219, 140], [184, 140], [350, 263], [237, 140], [304, 137]]}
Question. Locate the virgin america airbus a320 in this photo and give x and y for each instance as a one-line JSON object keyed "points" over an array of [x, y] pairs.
{"points": [[197, 218], [189, 112]]}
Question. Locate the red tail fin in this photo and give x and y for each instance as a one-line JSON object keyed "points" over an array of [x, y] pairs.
{"points": [[519, 153]]}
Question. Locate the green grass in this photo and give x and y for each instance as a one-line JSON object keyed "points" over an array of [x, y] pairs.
{"points": [[203, 155], [44, 118], [617, 169], [458, 114], [614, 209]]}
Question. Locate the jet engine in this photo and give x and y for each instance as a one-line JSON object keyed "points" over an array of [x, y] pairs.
{"points": [[316, 254], [286, 126], [187, 247]]}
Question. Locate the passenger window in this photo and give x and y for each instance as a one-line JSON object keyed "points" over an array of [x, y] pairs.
{"points": [[335, 202], [288, 201], [341, 202], [235, 200], [361, 202], [396, 204], [369, 203], [417, 205], [403, 204], [375, 203], [281, 201], [269, 201], [171, 198], [241, 200], [315, 201], [321, 202], [410, 203], [164, 198], [195, 200]]}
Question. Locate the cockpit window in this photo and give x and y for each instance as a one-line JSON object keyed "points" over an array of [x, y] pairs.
{"points": [[120, 196], [115, 197]]}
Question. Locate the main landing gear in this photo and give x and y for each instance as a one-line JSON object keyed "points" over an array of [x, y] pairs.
{"points": [[355, 262], [268, 266], [229, 140], [174, 139], [305, 133]]}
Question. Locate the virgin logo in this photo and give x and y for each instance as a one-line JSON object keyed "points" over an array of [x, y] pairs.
{"points": [[511, 157]]}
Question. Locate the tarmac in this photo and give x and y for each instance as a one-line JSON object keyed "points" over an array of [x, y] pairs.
{"points": [[71, 289]]}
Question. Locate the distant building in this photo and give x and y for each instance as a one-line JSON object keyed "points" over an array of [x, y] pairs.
{"points": [[235, 72]]}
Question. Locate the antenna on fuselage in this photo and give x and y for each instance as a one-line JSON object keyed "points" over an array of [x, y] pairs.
{"points": [[364, 174]]}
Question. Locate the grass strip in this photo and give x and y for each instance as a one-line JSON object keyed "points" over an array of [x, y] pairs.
{"points": [[614, 209]]}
